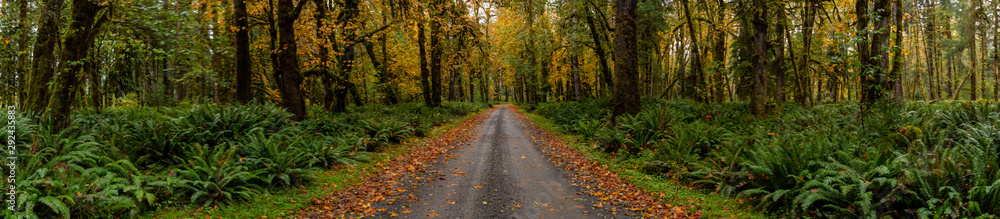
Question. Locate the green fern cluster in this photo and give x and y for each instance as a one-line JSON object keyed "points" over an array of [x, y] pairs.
{"points": [[829, 161], [121, 162]]}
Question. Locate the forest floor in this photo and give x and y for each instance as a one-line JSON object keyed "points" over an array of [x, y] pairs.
{"points": [[499, 165]]}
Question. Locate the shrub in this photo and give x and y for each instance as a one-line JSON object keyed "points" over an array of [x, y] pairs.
{"points": [[277, 157], [327, 151], [832, 160], [217, 178], [687, 143]]}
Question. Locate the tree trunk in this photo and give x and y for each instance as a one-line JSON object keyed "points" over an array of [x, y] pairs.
{"points": [[323, 47], [288, 60], [759, 58], [425, 86], [698, 79], [575, 63], [864, 57], [930, 40], [86, 23], [436, 52], [472, 88], [626, 98], [897, 57], [44, 63], [530, 82], [94, 76], [346, 57], [385, 77], [602, 59], [23, 58], [872, 52], [779, 69], [971, 22], [720, 55], [949, 60], [996, 53], [242, 41], [805, 75]]}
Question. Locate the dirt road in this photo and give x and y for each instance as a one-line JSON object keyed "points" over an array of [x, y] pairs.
{"points": [[501, 174]]}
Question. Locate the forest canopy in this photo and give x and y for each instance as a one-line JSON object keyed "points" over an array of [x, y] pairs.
{"points": [[62, 55]]}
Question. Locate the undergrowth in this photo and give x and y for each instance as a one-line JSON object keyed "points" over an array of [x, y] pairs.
{"points": [[126, 162], [829, 161]]}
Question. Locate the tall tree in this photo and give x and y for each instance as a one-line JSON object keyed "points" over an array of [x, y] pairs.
{"points": [[242, 44], [575, 63], [87, 18], [528, 78], [804, 71], [43, 66], [626, 98], [872, 48], [425, 73], [971, 28], [438, 12], [602, 59], [697, 79], [349, 27], [22, 49], [781, 27], [759, 58], [897, 56], [386, 78], [720, 52], [930, 48], [996, 52], [288, 59]]}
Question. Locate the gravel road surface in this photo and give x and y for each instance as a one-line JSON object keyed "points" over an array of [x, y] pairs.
{"points": [[501, 174]]}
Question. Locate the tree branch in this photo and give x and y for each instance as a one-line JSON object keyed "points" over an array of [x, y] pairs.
{"points": [[298, 7], [364, 38]]}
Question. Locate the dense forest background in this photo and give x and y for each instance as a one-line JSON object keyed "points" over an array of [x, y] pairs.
{"points": [[804, 108], [62, 55]]}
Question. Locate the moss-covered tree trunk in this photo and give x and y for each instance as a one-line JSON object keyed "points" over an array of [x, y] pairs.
{"points": [[805, 74], [759, 58], [971, 47], [23, 64], [84, 25], [626, 89], [43, 66], [873, 52]]}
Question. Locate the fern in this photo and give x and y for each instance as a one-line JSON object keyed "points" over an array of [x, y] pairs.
{"points": [[216, 178]]}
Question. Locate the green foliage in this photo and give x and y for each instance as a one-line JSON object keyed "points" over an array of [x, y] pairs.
{"points": [[830, 161], [327, 151], [216, 178], [277, 157], [689, 142], [193, 154]]}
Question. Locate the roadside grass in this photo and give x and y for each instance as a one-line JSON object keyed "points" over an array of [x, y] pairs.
{"points": [[711, 205], [284, 202]]}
